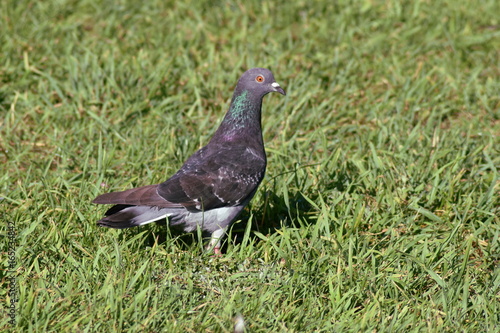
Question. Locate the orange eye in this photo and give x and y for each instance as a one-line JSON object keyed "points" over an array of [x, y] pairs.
{"points": [[259, 78]]}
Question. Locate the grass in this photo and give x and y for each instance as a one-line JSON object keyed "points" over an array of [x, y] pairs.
{"points": [[380, 207]]}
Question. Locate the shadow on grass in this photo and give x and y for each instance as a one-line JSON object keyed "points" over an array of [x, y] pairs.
{"points": [[273, 215]]}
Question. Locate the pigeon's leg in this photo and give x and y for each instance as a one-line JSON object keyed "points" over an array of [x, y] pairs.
{"points": [[215, 240]]}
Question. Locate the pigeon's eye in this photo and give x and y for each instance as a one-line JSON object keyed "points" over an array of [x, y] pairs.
{"points": [[259, 78]]}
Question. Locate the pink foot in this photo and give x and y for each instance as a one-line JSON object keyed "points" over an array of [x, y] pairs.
{"points": [[217, 252]]}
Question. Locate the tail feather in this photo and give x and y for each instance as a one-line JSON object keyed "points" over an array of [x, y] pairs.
{"points": [[145, 195], [127, 216]]}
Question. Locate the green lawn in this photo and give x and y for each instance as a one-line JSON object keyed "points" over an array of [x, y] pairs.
{"points": [[380, 207]]}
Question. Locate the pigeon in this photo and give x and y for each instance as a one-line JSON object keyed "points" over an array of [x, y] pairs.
{"points": [[214, 185]]}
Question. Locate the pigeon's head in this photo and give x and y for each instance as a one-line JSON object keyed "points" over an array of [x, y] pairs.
{"points": [[260, 81]]}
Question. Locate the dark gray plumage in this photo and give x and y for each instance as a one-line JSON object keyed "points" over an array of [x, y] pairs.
{"points": [[216, 182]]}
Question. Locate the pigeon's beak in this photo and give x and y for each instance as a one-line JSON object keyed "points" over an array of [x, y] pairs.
{"points": [[277, 88]]}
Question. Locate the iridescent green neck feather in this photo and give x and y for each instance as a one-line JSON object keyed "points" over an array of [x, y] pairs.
{"points": [[239, 105], [243, 118]]}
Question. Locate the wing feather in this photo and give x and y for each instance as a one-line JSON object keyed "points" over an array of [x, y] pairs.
{"points": [[216, 179]]}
